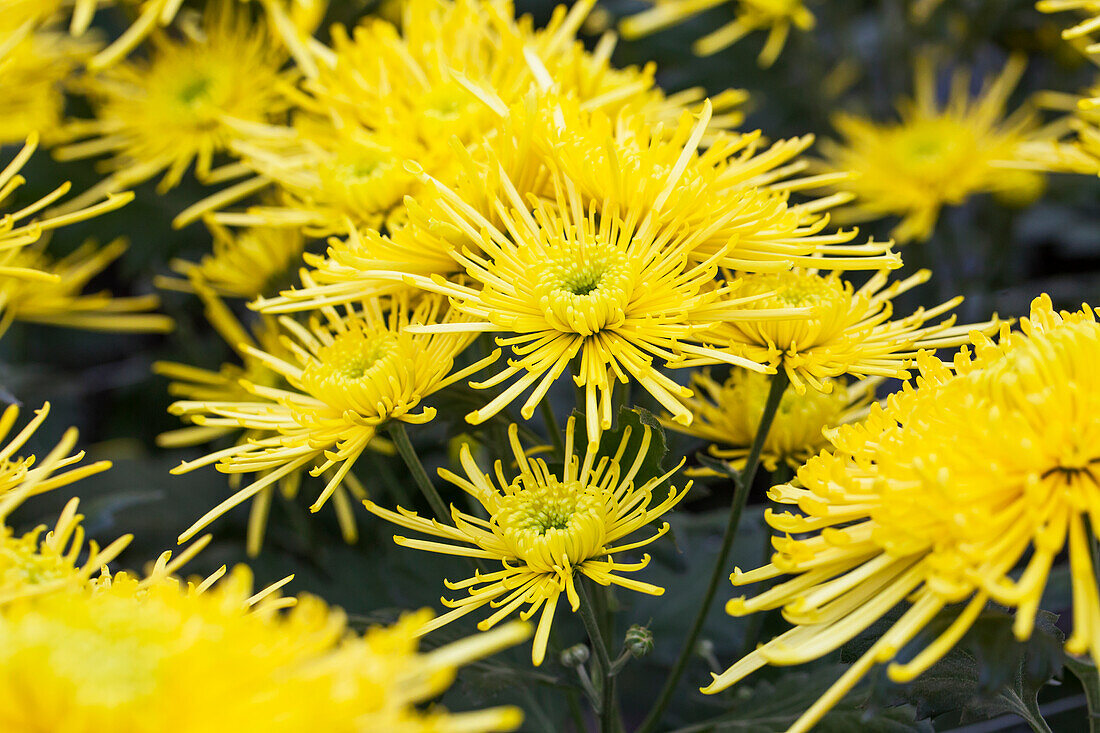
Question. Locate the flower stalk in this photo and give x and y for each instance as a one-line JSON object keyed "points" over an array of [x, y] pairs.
{"points": [[742, 485]]}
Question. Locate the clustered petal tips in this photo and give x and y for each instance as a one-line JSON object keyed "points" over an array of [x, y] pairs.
{"points": [[545, 531], [903, 510]]}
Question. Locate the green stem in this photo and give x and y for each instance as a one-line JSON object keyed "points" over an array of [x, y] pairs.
{"points": [[778, 386], [1085, 670], [607, 710], [408, 454]]}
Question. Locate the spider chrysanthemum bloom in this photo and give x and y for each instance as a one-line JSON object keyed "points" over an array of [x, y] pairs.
{"points": [[1086, 28], [156, 655], [60, 301], [937, 154], [777, 16], [610, 288], [903, 510], [728, 414], [849, 331], [349, 375], [226, 385], [184, 104], [627, 161], [545, 530]]}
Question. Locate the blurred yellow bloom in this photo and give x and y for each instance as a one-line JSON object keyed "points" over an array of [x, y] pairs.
{"points": [[60, 302], [348, 376], [1086, 28], [937, 154], [34, 67], [729, 413], [544, 530], [848, 331], [227, 384], [903, 509], [157, 655], [246, 263], [184, 104], [776, 16]]}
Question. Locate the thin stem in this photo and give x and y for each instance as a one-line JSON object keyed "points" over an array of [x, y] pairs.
{"points": [[408, 454], [1085, 670], [606, 710], [743, 485]]}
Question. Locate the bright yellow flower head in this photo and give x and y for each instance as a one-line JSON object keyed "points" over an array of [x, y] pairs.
{"points": [[228, 385], [608, 289], [729, 414], [59, 301], [849, 331], [1086, 28], [156, 655], [347, 377], [936, 155], [184, 104], [628, 162], [777, 16], [544, 530], [924, 504]]}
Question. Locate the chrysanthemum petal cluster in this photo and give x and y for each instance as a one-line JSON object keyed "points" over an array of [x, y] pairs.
{"points": [[924, 506], [545, 530]]}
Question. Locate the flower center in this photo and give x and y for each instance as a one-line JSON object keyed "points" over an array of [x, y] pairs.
{"points": [[830, 300], [198, 89], [552, 525], [584, 291]]}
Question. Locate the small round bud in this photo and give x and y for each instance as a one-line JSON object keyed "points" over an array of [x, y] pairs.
{"points": [[574, 656], [639, 641]]}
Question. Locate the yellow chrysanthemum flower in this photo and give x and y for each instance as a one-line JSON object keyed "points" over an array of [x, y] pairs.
{"points": [[903, 509], [228, 384], [624, 161], [247, 263], [354, 373], [849, 331], [544, 531], [184, 104], [607, 289], [1086, 28], [937, 154], [777, 16], [729, 414], [156, 655], [59, 301]]}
